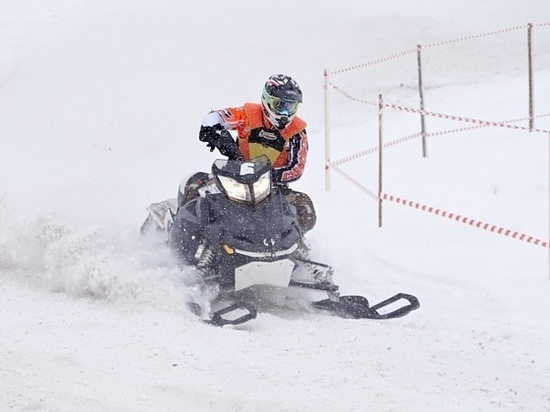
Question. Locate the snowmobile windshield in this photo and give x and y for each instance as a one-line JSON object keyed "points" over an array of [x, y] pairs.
{"points": [[244, 181]]}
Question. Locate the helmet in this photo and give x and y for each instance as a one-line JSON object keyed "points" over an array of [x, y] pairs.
{"points": [[280, 99]]}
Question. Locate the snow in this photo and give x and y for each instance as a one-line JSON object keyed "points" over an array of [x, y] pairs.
{"points": [[100, 103]]}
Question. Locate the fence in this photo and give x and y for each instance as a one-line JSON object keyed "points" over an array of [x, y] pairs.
{"points": [[415, 80]]}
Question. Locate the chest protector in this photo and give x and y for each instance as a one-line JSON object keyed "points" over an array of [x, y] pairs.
{"points": [[257, 139]]}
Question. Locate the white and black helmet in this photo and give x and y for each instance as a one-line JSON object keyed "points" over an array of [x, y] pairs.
{"points": [[280, 99]]}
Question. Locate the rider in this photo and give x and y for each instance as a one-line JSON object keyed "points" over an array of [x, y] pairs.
{"points": [[270, 128]]}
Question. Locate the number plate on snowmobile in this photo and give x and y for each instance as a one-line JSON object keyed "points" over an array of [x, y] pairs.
{"points": [[264, 273]]}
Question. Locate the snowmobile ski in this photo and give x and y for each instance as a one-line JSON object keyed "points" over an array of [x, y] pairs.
{"points": [[357, 307], [222, 317]]}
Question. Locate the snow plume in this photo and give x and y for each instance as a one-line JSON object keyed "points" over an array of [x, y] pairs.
{"points": [[88, 262]]}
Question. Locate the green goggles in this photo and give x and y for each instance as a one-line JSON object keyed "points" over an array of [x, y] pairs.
{"points": [[281, 106]]}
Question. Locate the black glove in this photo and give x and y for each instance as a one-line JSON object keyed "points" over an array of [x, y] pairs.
{"points": [[223, 141], [210, 135], [228, 146]]}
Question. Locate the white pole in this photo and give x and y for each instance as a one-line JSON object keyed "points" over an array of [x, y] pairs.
{"points": [[530, 66], [327, 135], [380, 144], [421, 93]]}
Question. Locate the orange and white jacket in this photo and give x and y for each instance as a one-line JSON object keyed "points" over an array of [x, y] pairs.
{"points": [[286, 148]]}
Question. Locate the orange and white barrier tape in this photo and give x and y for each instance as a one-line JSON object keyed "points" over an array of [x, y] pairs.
{"points": [[467, 220], [438, 44], [449, 215], [369, 193], [375, 149], [476, 36], [466, 119], [374, 62], [416, 135], [438, 115]]}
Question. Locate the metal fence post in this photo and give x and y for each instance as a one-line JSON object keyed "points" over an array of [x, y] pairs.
{"points": [[421, 93], [327, 135], [380, 144], [530, 65]]}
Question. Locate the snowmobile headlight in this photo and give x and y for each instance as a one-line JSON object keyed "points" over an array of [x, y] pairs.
{"points": [[235, 190], [262, 187], [247, 192]]}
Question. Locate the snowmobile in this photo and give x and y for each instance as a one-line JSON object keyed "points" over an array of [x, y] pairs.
{"points": [[241, 234]]}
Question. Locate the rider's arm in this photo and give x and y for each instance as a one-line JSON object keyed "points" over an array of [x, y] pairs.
{"points": [[214, 128], [297, 155], [230, 118]]}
